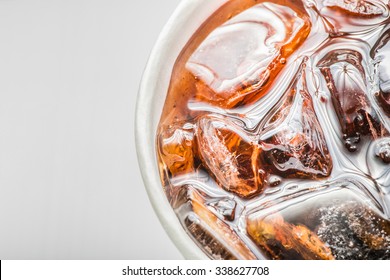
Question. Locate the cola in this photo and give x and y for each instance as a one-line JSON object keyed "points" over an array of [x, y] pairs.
{"points": [[274, 142]]}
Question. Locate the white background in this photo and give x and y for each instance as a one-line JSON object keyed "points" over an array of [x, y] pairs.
{"points": [[70, 186]]}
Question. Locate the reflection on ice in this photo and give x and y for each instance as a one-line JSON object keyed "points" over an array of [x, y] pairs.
{"points": [[241, 57]]}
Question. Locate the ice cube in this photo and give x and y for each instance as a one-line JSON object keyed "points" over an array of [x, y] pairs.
{"points": [[217, 239], [282, 240], [353, 16], [338, 221], [175, 145], [230, 156], [240, 59], [346, 80], [295, 146]]}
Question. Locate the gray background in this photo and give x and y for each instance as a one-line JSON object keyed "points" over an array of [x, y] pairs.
{"points": [[70, 187]]}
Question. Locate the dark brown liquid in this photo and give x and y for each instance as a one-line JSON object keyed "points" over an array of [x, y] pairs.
{"points": [[273, 105]]}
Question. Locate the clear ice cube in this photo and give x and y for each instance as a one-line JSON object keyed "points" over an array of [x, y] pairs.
{"points": [[231, 157], [217, 238], [240, 58], [295, 145], [334, 222], [346, 80], [175, 144], [352, 16]]}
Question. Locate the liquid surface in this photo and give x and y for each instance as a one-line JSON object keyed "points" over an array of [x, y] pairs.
{"points": [[274, 138]]}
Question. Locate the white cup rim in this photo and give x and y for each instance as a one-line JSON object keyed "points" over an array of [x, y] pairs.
{"points": [[188, 16]]}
